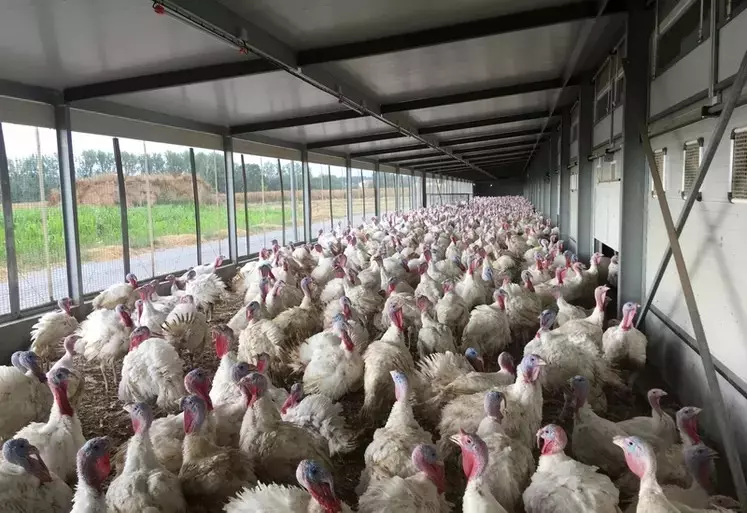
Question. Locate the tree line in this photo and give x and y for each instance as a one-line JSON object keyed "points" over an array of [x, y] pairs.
{"points": [[25, 187]]}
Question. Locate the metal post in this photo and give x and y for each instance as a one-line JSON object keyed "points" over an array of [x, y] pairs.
{"points": [[294, 213], [124, 226], [423, 191], [397, 186], [718, 133], [349, 187], [69, 202], [585, 168], [714, 35], [553, 170], [306, 194], [717, 400], [10, 240], [43, 209], [631, 280], [329, 188], [233, 242], [282, 201], [377, 192], [195, 194], [151, 236], [246, 206]]}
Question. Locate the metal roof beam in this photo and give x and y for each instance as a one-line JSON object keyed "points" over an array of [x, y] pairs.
{"points": [[214, 17], [312, 119], [471, 96], [481, 149], [502, 24], [384, 151], [491, 137], [498, 120], [344, 141], [165, 79], [403, 158], [402, 161]]}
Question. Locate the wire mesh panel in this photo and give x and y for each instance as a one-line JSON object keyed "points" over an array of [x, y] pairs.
{"points": [[320, 215], [34, 175], [286, 170], [242, 205], [739, 166], [264, 198], [691, 165], [99, 219], [356, 191], [211, 186], [339, 188], [660, 157], [369, 192], [160, 207]]}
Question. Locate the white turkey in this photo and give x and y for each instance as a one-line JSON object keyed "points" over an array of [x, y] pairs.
{"points": [[118, 294], [51, 329], [488, 328], [24, 394]]}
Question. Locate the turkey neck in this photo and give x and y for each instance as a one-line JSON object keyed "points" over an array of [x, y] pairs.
{"points": [[401, 414], [549, 462], [197, 446], [489, 426], [88, 500], [306, 302], [261, 417], [62, 411], [140, 454]]}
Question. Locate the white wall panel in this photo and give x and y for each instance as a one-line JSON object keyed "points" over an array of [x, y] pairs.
{"points": [[687, 77], [265, 150], [617, 121], [331, 160], [714, 246], [574, 150], [732, 44], [601, 132], [359, 164], [114, 126], [573, 203], [24, 112]]}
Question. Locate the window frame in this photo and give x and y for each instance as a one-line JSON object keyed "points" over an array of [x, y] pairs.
{"points": [[730, 195], [699, 141]]}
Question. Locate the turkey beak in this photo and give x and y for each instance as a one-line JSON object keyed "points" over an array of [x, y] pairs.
{"points": [[38, 467]]}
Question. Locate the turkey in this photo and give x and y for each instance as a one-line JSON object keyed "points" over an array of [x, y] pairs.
{"points": [[433, 336], [59, 439], [262, 336], [334, 370], [24, 394], [318, 496], [659, 429], [389, 453], [118, 294], [93, 470], [209, 473], [475, 457], [185, 327], [384, 355], [511, 463], [428, 287], [488, 328], [452, 311], [151, 371], [470, 289], [206, 289], [624, 344], [51, 329], [210, 268], [224, 389], [562, 484], [300, 322], [274, 446], [419, 493], [27, 485], [144, 486], [318, 414]]}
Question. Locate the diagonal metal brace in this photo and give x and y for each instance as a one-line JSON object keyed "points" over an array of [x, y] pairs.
{"points": [[713, 142], [717, 400]]}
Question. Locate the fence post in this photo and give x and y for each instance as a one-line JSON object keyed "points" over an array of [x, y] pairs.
{"points": [[195, 194], [10, 245], [306, 194], [124, 226], [246, 207], [233, 242], [377, 192], [294, 208], [349, 186], [69, 202], [282, 202]]}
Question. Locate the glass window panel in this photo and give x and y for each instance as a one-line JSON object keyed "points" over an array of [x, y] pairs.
{"points": [[160, 207], [99, 220], [339, 186], [211, 190], [319, 180], [369, 192], [406, 192], [34, 175]]}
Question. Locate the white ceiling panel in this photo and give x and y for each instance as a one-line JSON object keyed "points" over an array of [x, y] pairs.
{"points": [[322, 131]]}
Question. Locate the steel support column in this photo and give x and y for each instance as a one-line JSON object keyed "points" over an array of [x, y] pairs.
{"points": [[716, 399], [233, 243], [718, 133], [585, 169], [69, 202], [377, 192], [282, 202], [10, 240], [122, 190], [306, 195], [424, 192], [294, 206], [554, 179], [349, 186], [632, 248], [565, 174], [196, 196], [246, 205], [397, 187]]}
